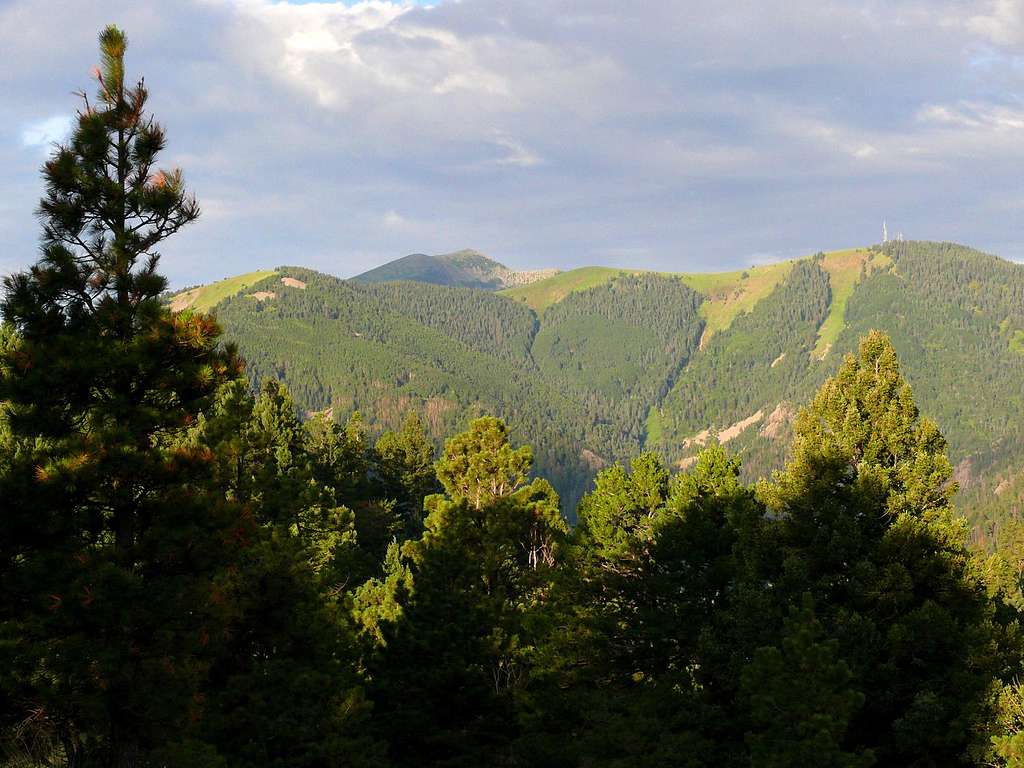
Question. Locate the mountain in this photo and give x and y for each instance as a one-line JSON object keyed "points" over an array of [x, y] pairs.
{"points": [[462, 269], [591, 365]]}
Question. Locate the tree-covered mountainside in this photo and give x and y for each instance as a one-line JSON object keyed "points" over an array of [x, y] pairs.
{"points": [[195, 576], [591, 365], [462, 269]]}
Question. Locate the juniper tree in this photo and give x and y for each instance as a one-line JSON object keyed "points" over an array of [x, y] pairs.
{"points": [[113, 604]]}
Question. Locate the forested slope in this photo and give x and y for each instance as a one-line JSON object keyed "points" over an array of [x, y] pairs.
{"points": [[345, 347], [192, 576], [590, 367]]}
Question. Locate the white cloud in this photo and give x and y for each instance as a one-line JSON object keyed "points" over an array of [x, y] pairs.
{"points": [[393, 220], [337, 135], [517, 153], [1002, 22], [977, 116], [42, 134], [312, 41], [865, 151]]}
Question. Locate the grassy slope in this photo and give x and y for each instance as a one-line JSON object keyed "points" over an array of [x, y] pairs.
{"points": [[844, 269], [730, 293], [543, 293], [757, 362], [207, 297], [653, 428], [1017, 342]]}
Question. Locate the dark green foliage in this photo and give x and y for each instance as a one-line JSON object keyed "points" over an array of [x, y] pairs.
{"points": [[405, 467], [951, 313], [485, 322], [446, 675], [284, 689], [114, 542], [801, 699], [867, 529], [619, 346], [453, 353], [384, 363], [617, 661]]}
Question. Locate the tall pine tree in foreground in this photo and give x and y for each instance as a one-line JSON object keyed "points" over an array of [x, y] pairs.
{"points": [[868, 531], [113, 547]]}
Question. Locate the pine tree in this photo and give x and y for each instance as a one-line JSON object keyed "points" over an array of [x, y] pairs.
{"points": [[111, 604], [345, 464], [285, 689], [405, 465], [480, 466], [448, 672], [866, 526], [801, 699], [654, 574]]}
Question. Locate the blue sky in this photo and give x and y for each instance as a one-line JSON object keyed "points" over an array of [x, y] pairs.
{"points": [[670, 134]]}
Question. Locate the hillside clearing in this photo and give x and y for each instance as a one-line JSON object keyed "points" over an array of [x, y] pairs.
{"points": [[206, 297], [542, 294], [845, 269], [1017, 342], [652, 427], [730, 293]]}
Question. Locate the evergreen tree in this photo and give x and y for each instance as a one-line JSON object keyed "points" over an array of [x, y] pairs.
{"points": [[868, 529], [447, 674], [480, 466], [1008, 739], [801, 699], [284, 689], [341, 456], [109, 601], [655, 565], [264, 461], [405, 465]]}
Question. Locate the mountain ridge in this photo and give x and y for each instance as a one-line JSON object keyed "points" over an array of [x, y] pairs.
{"points": [[607, 362], [466, 268]]}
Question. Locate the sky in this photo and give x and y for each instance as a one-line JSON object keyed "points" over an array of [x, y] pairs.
{"points": [[663, 134]]}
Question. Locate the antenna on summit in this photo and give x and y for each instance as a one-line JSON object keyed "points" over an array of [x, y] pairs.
{"points": [[885, 233]]}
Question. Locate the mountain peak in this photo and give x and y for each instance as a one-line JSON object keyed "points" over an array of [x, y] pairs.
{"points": [[465, 268]]}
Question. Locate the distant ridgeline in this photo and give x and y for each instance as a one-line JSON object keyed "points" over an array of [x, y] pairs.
{"points": [[592, 364], [462, 269]]}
